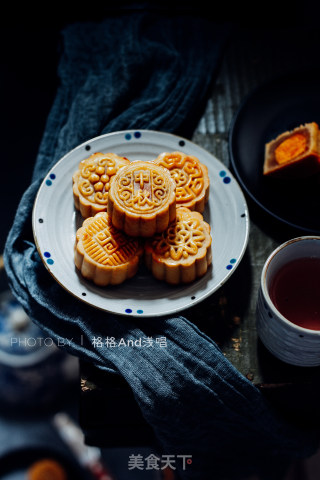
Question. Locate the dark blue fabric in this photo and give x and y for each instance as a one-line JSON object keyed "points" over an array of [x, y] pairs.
{"points": [[147, 71]]}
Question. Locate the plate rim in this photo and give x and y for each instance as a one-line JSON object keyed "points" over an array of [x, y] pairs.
{"points": [[135, 314], [231, 137]]}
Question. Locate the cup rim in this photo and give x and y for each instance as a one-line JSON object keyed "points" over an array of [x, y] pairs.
{"points": [[264, 286]]}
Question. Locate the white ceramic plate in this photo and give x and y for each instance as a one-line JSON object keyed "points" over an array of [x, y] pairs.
{"points": [[55, 221]]}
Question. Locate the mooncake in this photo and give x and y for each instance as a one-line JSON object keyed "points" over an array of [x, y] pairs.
{"points": [[293, 153], [91, 182], [182, 252], [191, 177], [46, 469], [142, 199], [104, 254]]}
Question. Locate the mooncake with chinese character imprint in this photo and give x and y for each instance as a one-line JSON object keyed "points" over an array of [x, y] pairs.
{"points": [[191, 177], [104, 254], [293, 153], [91, 182], [182, 252], [142, 199]]}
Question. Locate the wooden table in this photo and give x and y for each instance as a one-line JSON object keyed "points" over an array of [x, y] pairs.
{"points": [[109, 414]]}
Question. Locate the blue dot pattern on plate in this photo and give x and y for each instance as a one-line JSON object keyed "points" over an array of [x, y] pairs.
{"points": [[47, 255], [140, 312], [231, 263], [224, 176], [128, 310], [128, 136], [50, 179]]}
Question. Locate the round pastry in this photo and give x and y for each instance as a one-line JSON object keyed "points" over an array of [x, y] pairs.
{"points": [[91, 182], [191, 177], [182, 252], [104, 254], [46, 469], [142, 199]]}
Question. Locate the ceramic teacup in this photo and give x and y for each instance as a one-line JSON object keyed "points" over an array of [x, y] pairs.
{"points": [[288, 306]]}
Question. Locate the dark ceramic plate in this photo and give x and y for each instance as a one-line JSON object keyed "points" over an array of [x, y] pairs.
{"points": [[277, 106]]}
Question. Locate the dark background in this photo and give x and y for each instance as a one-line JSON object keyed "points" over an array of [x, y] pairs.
{"points": [[30, 43]]}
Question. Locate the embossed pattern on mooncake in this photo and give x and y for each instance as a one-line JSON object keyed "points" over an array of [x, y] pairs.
{"points": [[142, 199], [191, 177], [182, 252], [91, 182], [104, 254]]}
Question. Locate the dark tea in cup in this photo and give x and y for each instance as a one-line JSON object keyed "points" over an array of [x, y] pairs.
{"points": [[295, 292], [288, 304]]}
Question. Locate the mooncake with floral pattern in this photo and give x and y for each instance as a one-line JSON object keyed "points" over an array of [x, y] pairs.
{"points": [[182, 252], [191, 177]]}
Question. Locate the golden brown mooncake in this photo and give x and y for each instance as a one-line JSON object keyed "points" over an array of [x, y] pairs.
{"points": [[91, 182], [182, 252], [293, 153], [104, 254], [191, 177], [142, 199], [46, 468]]}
